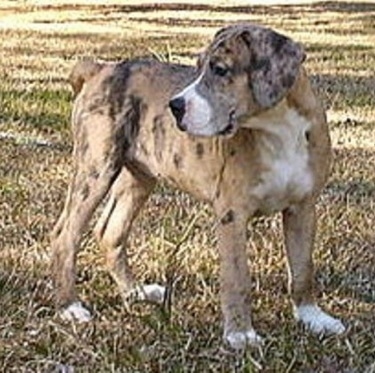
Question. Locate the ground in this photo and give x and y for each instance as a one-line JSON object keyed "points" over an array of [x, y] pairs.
{"points": [[173, 240]]}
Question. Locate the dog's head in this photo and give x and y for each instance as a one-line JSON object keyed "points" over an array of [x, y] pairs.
{"points": [[246, 69]]}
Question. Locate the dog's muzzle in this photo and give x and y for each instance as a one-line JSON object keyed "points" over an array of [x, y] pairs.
{"points": [[177, 106]]}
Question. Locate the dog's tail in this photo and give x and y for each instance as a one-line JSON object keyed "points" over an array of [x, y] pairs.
{"points": [[82, 72]]}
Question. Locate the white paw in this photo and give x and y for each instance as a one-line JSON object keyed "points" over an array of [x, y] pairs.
{"points": [[153, 293], [319, 322], [239, 340], [76, 312]]}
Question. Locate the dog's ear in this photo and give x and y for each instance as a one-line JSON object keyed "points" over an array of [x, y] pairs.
{"points": [[82, 72], [201, 58], [274, 64]]}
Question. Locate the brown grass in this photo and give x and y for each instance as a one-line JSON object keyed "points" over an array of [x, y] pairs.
{"points": [[39, 45]]}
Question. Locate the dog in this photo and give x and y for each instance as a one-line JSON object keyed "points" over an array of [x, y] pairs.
{"points": [[243, 131]]}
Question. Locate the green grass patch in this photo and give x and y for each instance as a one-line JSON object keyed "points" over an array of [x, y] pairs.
{"points": [[41, 110]]}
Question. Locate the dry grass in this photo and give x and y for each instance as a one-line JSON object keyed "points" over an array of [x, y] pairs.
{"points": [[39, 44]]}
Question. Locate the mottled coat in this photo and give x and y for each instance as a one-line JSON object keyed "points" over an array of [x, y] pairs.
{"points": [[244, 132]]}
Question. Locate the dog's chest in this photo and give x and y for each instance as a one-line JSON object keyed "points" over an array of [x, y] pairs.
{"points": [[285, 176]]}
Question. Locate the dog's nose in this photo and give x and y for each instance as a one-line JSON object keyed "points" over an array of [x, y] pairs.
{"points": [[177, 106]]}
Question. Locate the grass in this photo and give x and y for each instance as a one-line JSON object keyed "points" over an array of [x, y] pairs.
{"points": [[39, 45]]}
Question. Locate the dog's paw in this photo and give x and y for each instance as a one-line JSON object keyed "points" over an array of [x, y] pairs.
{"points": [[76, 312], [240, 340], [319, 322], [152, 293]]}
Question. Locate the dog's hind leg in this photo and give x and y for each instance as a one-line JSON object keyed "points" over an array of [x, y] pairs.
{"points": [[299, 231], [97, 164], [127, 196]]}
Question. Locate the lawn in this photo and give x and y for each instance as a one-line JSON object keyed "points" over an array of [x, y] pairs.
{"points": [[173, 239]]}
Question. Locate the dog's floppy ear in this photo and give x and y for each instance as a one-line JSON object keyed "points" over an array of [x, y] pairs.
{"points": [[274, 64], [200, 60]]}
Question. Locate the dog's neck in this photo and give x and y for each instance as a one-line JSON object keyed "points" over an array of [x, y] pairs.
{"points": [[278, 120]]}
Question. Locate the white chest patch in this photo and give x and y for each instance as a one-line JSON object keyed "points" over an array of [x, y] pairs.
{"points": [[286, 176]]}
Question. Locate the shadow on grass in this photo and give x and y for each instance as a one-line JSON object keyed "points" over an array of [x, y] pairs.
{"points": [[340, 91], [111, 13], [332, 6], [364, 18], [109, 47], [18, 283]]}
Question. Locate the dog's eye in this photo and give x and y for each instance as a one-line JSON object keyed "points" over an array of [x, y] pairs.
{"points": [[219, 70]]}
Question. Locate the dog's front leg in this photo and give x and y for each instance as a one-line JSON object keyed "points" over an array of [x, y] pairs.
{"points": [[235, 280], [299, 231]]}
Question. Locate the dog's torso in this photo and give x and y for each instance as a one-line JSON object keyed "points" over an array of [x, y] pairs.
{"points": [[273, 161], [243, 132], [278, 150]]}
